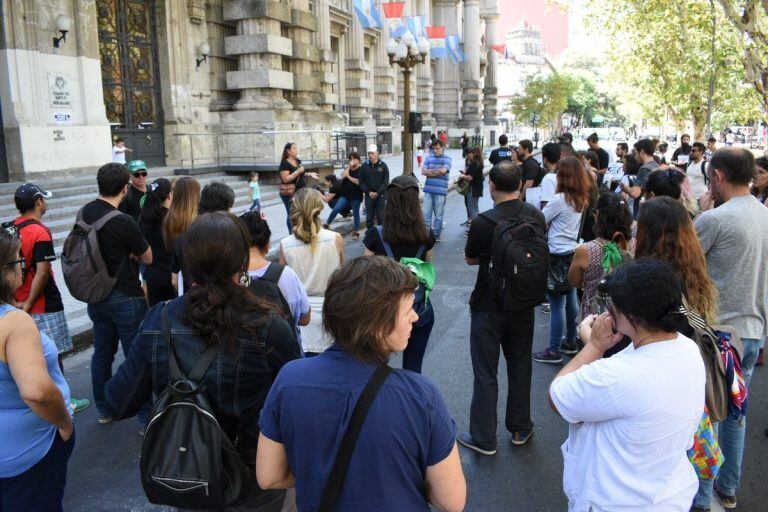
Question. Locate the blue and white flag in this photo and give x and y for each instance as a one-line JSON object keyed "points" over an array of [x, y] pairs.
{"points": [[454, 50], [397, 28], [368, 14], [436, 36], [417, 25]]}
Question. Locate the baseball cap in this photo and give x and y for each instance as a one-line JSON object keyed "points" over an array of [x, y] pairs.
{"points": [[373, 149], [137, 165], [26, 195]]}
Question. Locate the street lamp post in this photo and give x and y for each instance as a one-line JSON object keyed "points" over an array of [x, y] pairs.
{"points": [[407, 53], [535, 121]]}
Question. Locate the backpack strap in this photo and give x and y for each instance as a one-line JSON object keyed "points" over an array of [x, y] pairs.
{"points": [[387, 248], [26, 223], [420, 252], [102, 221], [341, 464], [273, 273], [203, 363]]}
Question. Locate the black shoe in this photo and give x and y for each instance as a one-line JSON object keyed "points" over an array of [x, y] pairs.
{"points": [[569, 348], [520, 437], [728, 502], [465, 439]]}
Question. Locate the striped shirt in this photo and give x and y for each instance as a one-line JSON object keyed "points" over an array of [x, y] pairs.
{"points": [[438, 184]]}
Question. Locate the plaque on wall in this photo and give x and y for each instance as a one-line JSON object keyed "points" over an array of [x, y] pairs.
{"points": [[60, 89]]}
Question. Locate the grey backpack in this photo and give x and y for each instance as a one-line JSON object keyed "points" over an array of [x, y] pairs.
{"points": [[85, 272]]}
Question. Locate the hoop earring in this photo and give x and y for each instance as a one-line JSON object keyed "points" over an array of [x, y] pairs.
{"points": [[245, 280]]}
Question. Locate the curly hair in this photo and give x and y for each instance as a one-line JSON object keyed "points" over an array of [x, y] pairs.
{"points": [[573, 181], [306, 206], [614, 222], [665, 231], [220, 311]]}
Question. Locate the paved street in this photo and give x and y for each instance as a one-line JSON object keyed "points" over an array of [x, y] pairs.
{"points": [[104, 476]]}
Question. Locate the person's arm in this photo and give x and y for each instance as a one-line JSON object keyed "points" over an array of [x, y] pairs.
{"points": [[134, 239], [578, 266], [281, 256], [445, 484], [707, 227], [175, 281], [42, 274], [363, 181], [384, 180], [146, 256], [340, 247], [428, 256], [474, 246], [272, 471], [25, 359]]}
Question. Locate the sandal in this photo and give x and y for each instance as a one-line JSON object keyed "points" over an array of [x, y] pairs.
{"points": [[355, 235]]}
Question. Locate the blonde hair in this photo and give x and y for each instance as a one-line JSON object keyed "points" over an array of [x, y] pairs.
{"points": [[183, 210], [306, 206]]}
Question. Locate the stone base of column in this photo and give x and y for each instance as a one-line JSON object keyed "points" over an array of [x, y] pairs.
{"points": [[490, 105], [262, 99]]}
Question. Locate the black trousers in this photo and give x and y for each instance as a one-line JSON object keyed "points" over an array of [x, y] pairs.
{"points": [[374, 208], [159, 292], [490, 334]]}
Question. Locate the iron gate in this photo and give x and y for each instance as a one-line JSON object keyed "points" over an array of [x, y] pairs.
{"points": [[130, 76]]}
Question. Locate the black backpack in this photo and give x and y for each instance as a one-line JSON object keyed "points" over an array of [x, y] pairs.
{"points": [[187, 460], [517, 270], [266, 287]]}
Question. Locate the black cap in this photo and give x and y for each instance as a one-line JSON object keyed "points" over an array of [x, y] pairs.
{"points": [[26, 195]]}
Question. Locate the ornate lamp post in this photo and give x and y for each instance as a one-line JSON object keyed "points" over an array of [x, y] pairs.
{"points": [[407, 53]]}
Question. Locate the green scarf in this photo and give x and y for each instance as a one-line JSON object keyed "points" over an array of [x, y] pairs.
{"points": [[612, 257]]}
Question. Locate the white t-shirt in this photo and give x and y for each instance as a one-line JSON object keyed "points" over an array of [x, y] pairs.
{"points": [[118, 155], [564, 222], [633, 417], [548, 186]]}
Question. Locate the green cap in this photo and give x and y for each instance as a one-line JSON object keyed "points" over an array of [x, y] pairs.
{"points": [[137, 165]]}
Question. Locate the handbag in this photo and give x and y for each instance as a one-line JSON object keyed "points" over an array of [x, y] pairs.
{"points": [[287, 189], [705, 454], [344, 456], [462, 186], [559, 264]]}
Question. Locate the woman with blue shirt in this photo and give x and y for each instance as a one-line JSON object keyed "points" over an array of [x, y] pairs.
{"points": [[405, 457], [36, 425], [564, 216]]}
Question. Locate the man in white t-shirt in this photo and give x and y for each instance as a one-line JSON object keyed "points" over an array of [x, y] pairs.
{"points": [[633, 415], [118, 151], [550, 155]]}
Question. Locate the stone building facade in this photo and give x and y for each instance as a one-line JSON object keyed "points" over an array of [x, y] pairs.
{"points": [[195, 83]]}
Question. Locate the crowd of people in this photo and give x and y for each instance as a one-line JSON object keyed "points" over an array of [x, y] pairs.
{"points": [[622, 256]]}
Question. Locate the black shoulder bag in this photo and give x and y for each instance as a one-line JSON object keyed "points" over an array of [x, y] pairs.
{"points": [[341, 464]]}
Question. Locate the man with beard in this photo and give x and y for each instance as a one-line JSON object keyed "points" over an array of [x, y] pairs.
{"points": [[684, 150], [737, 256]]}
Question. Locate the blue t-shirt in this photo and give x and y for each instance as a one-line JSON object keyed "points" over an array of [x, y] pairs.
{"points": [[26, 437], [408, 429]]}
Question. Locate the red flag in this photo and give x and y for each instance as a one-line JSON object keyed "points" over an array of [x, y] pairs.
{"points": [[393, 9], [499, 48], [436, 32]]}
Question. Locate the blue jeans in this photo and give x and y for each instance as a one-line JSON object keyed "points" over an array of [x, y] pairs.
{"points": [[434, 203], [730, 434], [256, 205], [413, 355], [117, 319], [565, 310], [374, 210], [287, 202], [471, 202], [342, 203]]}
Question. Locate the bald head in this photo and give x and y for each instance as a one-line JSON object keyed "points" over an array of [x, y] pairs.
{"points": [[506, 176], [736, 164]]}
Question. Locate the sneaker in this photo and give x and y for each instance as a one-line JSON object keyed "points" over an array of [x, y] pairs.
{"points": [[546, 309], [105, 419], [728, 502], [569, 348], [547, 356], [465, 223], [465, 439], [520, 437], [760, 357], [80, 404], [437, 238], [696, 508]]}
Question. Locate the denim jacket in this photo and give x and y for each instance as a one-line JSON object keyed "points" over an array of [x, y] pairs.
{"points": [[237, 383]]}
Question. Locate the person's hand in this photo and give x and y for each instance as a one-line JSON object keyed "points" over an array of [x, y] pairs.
{"points": [[300, 169], [585, 328], [25, 306], [706, 202], [66, 432], [604, 335], [373, 195], [313, 175]]}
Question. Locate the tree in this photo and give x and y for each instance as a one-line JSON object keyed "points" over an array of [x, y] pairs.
{"points": [[545, 96]]}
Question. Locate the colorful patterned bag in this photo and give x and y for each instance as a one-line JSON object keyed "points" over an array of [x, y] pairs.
{"points": [[705, 454]]}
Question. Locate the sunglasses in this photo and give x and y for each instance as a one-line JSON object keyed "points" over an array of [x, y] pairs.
{"points": [[140, 174]]}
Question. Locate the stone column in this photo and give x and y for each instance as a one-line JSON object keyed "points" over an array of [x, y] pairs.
{"points": [[305, 84], [471, 114], [490, 92], [260, 49], [446, 80], [325, 97], [424, 84], [358, 72]]}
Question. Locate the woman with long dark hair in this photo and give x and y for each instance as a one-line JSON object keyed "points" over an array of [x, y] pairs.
{"points": [[406, 237], [473, 173], [593, 259], [35, 415], [564, 215], [665, 231], [251, 339], [293, 177], [157, 201]]}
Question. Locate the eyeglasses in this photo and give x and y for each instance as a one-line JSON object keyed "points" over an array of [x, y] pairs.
{"points": [[140, 174], [20, 260]]}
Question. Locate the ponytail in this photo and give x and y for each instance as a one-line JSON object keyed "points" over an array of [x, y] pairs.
{"points": [[152, 203]]}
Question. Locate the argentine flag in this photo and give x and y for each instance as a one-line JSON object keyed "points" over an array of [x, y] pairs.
{"points": [[397, 28], [454, 51], [436, 36], [417, 25], [368, 14]]}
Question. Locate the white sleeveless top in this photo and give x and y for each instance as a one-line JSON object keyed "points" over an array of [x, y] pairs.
{"points": [[314, 270]]}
